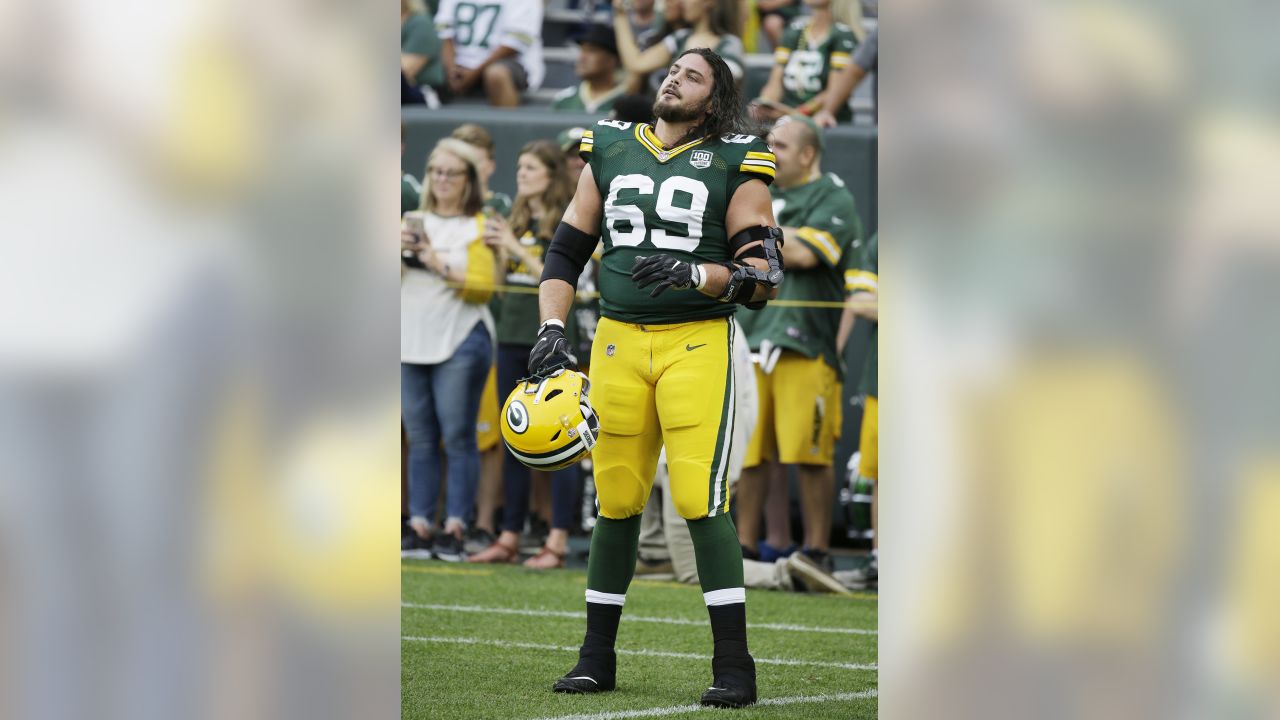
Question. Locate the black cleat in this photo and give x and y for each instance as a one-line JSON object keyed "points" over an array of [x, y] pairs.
{"points": [[594, 673], [735, 684]]}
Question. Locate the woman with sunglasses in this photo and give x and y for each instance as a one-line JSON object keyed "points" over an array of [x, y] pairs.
{"points": [[446, 342]]}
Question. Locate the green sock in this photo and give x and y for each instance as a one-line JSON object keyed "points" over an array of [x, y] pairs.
{"points": [[715, 545], [612, 561]]}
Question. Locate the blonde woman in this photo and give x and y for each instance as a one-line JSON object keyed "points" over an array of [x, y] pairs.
{"points": [[543, 192], [446, 342]]}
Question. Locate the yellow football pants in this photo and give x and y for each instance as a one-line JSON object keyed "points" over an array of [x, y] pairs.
{"points": [[799, 416], [869, 445], [656, 384]]}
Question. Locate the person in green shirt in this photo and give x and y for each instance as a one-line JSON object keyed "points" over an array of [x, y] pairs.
{"points": [[420, 49], [862, 283], [410, 188], [798, 375], [543, 193], [597, 69], [812, 48]]}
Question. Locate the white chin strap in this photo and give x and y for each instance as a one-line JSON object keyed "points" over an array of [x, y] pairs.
{"points": [[584, 428]]}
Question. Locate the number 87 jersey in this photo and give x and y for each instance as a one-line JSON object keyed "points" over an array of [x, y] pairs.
{"points": [[665, 200]]}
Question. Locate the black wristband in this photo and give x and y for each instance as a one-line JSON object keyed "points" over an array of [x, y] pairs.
{"points": [[569, 252]]}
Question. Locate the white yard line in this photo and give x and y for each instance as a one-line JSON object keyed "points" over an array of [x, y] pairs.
{"points": [[533, 612], [683, 709], [621, 651]]}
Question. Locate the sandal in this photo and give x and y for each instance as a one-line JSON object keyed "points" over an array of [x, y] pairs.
{"points": [[546, 559], [496, 553]]}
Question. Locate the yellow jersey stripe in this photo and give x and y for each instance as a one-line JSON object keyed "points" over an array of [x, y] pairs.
{"points": [[758, 169], [861, 280], [822, 242], [751, 155]]}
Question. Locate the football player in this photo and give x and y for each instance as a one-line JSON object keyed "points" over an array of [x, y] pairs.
{"points": [[683, 210]]}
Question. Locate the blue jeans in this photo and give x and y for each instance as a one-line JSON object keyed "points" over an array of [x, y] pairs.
{"points": [[512, 362], [440, 403]]}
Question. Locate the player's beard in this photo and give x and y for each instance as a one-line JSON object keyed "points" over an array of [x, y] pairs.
{"points": [[676, 112]]}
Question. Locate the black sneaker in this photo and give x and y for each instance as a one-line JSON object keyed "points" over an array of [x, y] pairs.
{"points": [[749, 554], [806, 575], [447, 547], [414, 547], [819, 558], [734, 685], [595, 672], [477, 540]]}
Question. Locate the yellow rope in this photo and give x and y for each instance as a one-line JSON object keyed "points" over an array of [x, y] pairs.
{"points": [[591, 295]]}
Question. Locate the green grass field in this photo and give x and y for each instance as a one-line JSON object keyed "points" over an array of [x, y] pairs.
{"points": [[488, 641]]}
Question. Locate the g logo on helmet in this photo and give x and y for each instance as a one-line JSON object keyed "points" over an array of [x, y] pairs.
{"points": [[517, 417], [548, 423]]}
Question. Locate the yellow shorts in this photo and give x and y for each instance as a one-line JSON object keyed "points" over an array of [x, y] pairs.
{"points": [[798, 417], [869, 464], [487, 431], [656, 384]]}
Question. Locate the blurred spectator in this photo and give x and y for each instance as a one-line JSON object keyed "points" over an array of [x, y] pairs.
{"points": [[865, 60], [813, 47], [597, 69], [644, 21], [494, 49], [479, 138], [775, 16], [410, 188], [488, 436], [543, 192], [446, 344], [570, 142], [862, 282], [799, 368], [711, 25], [421, 66], [633, 109]]}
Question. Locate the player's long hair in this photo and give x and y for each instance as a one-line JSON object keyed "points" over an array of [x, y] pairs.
{"points": [[553, 201], [724, 116]]}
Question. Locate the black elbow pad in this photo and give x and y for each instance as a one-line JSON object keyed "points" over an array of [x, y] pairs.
{"points": [[568, 254]]}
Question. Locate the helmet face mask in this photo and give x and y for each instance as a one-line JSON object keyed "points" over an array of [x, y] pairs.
{"points": [[547, 423]]}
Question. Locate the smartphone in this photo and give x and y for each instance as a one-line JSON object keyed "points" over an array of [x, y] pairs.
{"points": [[413, 222]]}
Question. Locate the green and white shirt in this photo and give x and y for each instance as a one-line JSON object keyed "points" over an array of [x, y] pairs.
{"points": [[478, 27], [807, 65], [577, 98], [828, 225], [669, 200], [864, 274]]}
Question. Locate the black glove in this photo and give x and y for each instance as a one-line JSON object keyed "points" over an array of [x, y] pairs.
{"points": [[665, 270], [551, 351]]}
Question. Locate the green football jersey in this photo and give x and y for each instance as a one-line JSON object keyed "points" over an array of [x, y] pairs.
{"points": [[418, 37], [574, 99], [410, 193], [864, 274], [827, 223], [665, 200], [807, 66]]}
